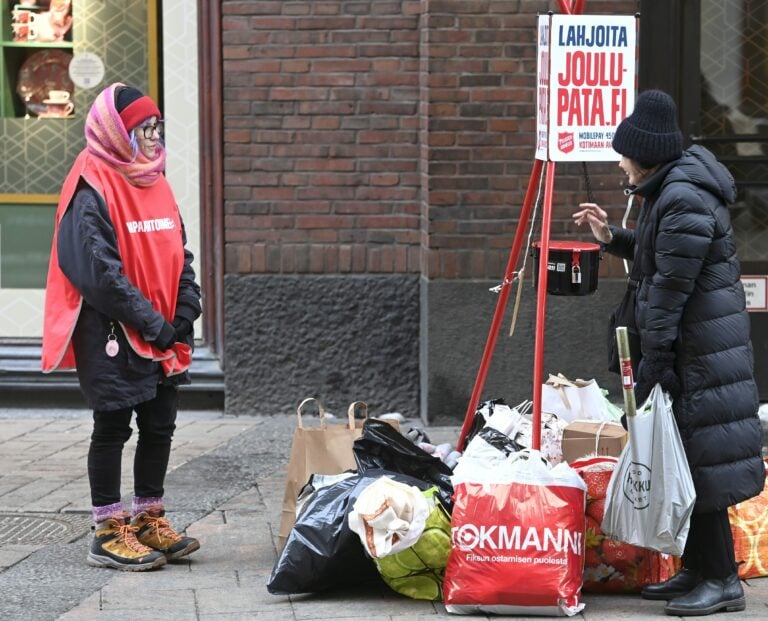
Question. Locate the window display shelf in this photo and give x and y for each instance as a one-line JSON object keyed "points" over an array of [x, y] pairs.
{"points": [[64, 44], [36, 46]]}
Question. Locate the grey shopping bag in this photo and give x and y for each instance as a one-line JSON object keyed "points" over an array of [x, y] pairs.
{"points": [[650, 496]]}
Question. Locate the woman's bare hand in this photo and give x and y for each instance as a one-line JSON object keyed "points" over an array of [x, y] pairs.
{"points": [[597, 219]]}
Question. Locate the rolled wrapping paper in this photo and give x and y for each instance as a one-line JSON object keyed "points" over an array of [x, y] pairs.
{"points": [[625, 365]]}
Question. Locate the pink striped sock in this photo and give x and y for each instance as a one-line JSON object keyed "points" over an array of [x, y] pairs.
{"points": [[140, 504], [105, 512]]}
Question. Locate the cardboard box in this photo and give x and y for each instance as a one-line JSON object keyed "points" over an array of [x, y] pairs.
{"points": [[580, 438]]}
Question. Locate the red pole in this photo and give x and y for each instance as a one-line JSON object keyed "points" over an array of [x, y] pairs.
{"points": [[541, 305], [572, 7], [501, 303]]}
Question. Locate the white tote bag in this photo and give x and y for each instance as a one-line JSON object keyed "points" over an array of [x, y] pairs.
{"points": [[650, 496]]}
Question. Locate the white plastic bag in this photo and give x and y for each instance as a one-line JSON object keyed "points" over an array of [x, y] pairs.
{"points": [[388, 516], [517, 424], [650, 496], [577, 399]]}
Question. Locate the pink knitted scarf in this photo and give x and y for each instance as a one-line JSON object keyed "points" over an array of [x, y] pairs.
{"points": [[106, 138]]}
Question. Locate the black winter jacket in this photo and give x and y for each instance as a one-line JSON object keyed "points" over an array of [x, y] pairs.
{"points": [[89, 257], [691, 309]]}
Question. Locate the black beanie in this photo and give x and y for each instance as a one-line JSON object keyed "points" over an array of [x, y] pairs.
{"points": [[650, 134], [126, 95]]}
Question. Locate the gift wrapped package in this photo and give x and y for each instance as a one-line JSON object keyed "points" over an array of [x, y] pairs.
{"points": [[749, 525], [613, 566]]}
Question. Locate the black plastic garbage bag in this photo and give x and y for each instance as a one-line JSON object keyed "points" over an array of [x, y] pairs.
{"points": [[322, 552], [381, 446]]}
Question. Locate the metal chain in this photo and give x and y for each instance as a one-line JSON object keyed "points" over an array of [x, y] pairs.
{"points": [[590, 194]]}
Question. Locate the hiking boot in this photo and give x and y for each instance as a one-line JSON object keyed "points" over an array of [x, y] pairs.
{"points": [[153, 530], [115, 545]]}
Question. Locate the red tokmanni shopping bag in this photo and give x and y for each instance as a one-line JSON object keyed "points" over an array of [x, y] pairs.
{"points": [[517, 538]]}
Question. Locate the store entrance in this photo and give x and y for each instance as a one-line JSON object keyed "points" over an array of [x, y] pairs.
{"points": [[711, 56]]}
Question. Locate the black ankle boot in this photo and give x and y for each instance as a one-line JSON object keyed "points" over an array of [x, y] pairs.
{"points": [[681, 583], [709, 597]]}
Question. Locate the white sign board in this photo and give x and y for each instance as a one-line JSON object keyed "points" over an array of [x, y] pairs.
{"points": [[86, 70], [586, 85], [756, 290]]}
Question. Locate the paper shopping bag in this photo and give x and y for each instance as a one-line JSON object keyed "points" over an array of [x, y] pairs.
{"points": [[650, 496], [325, 449], [574, 400]]}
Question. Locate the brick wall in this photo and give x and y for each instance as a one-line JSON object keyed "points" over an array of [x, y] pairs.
{"points": [[321, 136], [386, 136]]}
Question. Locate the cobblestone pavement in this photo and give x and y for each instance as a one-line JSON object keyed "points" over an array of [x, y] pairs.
{"points": [[224, 486]]}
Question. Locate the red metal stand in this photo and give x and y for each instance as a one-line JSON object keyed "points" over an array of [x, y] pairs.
{"points": [[575, 7], [501, 304]]}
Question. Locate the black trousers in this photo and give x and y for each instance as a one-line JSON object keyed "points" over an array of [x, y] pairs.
{"points": [[156, 422], [709, 548]]}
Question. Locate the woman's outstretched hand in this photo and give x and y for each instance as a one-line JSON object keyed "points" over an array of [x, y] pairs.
{"points": [[597, 220]]}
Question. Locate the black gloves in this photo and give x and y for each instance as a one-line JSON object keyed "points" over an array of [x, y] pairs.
{"points": [[172, 333], [656, 367], [166, 338], [182, 326]]}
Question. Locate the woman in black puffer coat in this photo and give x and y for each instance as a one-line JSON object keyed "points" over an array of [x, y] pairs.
{"points": [[694, 330]]}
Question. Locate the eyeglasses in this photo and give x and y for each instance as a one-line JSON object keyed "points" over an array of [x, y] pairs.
{"points": [[149, 130]]}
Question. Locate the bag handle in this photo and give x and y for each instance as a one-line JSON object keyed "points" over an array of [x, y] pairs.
{"points": [[353, 408], [320, 411], [559, 382]]}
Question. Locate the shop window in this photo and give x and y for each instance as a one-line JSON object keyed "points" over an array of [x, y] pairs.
{"points": [[40, 135], [36, 50], [25, 243], [734, 110]]}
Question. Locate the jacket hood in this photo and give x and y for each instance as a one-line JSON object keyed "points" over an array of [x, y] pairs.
{"points": [[700, 167]]}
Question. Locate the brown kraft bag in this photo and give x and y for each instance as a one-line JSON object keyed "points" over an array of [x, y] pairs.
{"points": [[325, 449]]}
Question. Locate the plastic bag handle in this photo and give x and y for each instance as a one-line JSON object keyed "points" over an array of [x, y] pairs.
{"points": [[320, 410], [351, 412]]}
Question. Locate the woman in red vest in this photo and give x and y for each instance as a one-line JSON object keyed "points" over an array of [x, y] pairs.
{"points": [[121, 299]]}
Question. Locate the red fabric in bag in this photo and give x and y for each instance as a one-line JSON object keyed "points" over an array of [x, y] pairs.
{"points": [[613, 566], [515, 548]]}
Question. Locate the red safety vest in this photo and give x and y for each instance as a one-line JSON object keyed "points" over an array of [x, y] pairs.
{"points": [[149, 240]]}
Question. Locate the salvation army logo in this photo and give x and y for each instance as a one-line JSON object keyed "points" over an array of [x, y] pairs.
{"points": [[637, 485], [565, 141]]}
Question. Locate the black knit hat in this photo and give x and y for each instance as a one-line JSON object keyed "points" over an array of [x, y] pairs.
{"points": [[650, 134]]}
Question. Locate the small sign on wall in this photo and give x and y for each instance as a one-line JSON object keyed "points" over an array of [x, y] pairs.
{"points": [[585, 85], [756, 290]]}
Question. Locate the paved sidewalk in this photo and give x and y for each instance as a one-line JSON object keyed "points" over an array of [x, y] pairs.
{"points": [[225, 487]]}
